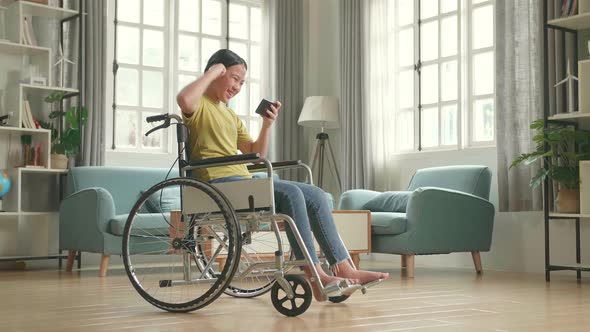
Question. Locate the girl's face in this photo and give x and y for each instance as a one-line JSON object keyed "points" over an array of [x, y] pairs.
{"points": [[229, 84]]}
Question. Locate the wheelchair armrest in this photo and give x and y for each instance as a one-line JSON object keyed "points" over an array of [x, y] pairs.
{"points": [[276, 165], [218, 161], [283, 165]]}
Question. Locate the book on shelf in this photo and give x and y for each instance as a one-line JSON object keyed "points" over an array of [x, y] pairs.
{"points": [[27, 116], [29, 37], [569, 8]]}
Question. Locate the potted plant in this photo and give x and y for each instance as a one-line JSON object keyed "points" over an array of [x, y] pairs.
{"points": [[65, 143], [567, 146]]}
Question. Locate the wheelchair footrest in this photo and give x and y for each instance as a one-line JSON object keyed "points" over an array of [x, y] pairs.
{"points": [[341, 287]]}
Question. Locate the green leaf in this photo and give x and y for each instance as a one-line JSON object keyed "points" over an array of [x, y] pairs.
{"points": [[56, 114], [539, 178], [55, 96]]}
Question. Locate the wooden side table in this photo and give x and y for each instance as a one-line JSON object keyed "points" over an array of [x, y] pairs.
{"points": [[354, 227]]}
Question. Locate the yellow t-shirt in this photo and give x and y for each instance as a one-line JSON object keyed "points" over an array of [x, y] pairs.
{"points": [[215, 131]]}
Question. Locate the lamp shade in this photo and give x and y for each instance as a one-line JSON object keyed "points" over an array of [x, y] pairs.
{"points": [[320, 112]]}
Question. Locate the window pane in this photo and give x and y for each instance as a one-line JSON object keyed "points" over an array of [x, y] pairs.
{"points": [[449, 83], [478, 1], [405, 12], [127, 86], [483, 120], [483, 73], [429, 84], [405, 130], [406, 89], [254, 127], [126, 129], [428, 8], [184, 80], [447, 6], [406, 47], [153, 48], [429, 41], [129, 53], [240, 49], [154, 141], [128, 11], [153, 12], [208, 47], [429, 127], [188, 15], [240, 102], [254, 64], [448, 33], [153, 89], [188, 53], [449, 125], [483, 27], [255, 24], [238, 21], [212, 17], [254, 98]]}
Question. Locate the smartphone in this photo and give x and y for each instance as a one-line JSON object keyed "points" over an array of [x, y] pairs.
{"points": [[263, 106]]}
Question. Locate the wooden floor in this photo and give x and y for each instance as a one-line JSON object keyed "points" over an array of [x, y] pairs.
{"points": [[436, 300]]}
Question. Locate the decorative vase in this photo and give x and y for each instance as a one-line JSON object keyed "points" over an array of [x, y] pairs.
{"points": [[568, 201], [59, 161]]}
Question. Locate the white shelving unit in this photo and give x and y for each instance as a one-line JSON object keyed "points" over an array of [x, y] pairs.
{"points": [[29, 224], [581, 118]]}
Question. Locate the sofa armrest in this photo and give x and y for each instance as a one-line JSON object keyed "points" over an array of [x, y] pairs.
{"points": [[83, 219], [355, 199], [443, 220]]}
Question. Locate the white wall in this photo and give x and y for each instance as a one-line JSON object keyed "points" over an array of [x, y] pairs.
{"points": [[518, 238]]}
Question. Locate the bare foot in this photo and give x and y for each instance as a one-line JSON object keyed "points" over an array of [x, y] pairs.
{"points": [[346, 270], [325, 279]]}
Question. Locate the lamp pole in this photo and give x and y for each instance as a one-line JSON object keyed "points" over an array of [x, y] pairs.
{"points": [[319, 151]]}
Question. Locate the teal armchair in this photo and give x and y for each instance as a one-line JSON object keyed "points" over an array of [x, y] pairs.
{"points": [[444, 210]]}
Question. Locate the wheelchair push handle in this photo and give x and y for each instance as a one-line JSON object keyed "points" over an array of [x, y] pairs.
{"points": [[162, 117]]}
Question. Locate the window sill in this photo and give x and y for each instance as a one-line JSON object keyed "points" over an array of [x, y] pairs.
{"points": [[444, 152]]}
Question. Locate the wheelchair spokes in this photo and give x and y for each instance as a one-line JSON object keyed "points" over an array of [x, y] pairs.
{"points": [[160, 249]]}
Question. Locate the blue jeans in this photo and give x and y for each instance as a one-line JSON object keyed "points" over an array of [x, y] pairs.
{"points": [[309, 208]]}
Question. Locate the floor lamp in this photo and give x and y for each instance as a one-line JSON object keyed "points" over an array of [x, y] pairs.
{"points": [[321, 112]]}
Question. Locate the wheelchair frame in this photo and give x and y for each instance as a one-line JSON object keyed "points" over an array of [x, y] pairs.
{"points": [[190, 247]]}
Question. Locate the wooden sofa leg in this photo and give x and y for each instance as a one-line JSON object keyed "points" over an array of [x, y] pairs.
{"points": [[477, 261], [70, 261], [410, 266], [104, 264], [404, 262], [356, 260]]}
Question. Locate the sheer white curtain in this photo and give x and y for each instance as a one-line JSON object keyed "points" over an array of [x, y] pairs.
{"points": [[379, 75]]}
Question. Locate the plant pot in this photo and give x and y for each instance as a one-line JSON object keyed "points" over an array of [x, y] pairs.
{"points": [[59, 161], [568, 201]]}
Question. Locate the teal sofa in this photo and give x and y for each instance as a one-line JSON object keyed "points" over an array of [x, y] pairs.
{"points": [[93, 214], [444, 210]]}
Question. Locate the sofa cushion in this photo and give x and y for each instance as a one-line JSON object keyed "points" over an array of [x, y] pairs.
{"points": [[164, 200], [388, 223], [389, 201], [154, 223]]}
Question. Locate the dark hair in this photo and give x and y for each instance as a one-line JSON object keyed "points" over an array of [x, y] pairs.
{"points": [[225, 57]]}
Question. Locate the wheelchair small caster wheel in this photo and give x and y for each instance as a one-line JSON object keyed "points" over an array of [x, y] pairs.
{"points": [[299, 303], [338, 299]]}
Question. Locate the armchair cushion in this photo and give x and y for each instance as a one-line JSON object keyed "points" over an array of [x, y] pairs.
{"points": [[163, 201], [389, 201], [388, 223], [154, 223]]}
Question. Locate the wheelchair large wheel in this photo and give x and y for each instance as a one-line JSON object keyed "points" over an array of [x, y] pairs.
{"points": [[160, 241], [255, 272]]}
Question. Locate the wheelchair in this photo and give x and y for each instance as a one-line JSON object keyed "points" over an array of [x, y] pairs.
{"points": [[218, 238]]}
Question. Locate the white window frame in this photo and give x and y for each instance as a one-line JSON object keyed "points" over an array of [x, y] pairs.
{"points": [[465, 97], [171, 72]]}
